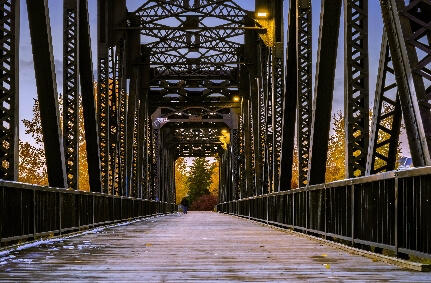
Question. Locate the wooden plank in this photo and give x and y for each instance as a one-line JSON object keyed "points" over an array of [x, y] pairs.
{"points": [[199, 246]]}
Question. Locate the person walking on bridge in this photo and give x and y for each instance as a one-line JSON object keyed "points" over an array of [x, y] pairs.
{"points": [[185, 204]]}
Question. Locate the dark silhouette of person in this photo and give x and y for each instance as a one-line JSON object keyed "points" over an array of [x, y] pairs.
{"points": [[185, 204]]}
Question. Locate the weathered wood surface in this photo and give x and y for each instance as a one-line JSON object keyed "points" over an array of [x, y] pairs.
{"points": [[197, 247]]}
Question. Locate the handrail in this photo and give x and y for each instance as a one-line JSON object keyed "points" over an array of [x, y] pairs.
{"points": [[29, 212], [387, 211]]}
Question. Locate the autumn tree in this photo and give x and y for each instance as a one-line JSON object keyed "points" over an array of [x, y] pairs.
{"points": [[335, 164], [295, 169], [32, 165], [181, 179], [32, 162], [215, 178], [199, 179]]}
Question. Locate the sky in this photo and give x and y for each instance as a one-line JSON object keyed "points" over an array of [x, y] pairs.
{"points": [[27, 83]]}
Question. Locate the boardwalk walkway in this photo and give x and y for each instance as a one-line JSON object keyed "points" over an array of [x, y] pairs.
{"points": [[197, 247]]}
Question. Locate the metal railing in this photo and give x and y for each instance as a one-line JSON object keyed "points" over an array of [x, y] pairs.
{"points": [[390, 211], [29, 212]]}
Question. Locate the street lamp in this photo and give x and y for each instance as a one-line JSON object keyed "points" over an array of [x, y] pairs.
{"points": [[262, 9], [236, 98]]}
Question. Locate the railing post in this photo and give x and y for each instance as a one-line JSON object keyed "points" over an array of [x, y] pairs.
{"points": [[325, 207], [34, 211], [60, 200], [396, 226], [1, 213], [352, 197]]}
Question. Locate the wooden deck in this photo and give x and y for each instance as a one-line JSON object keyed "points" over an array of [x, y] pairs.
{"points": [[197, 247]]}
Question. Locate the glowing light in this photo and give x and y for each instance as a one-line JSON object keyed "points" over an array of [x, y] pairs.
{"points": [[236, 99], [262, 14]]}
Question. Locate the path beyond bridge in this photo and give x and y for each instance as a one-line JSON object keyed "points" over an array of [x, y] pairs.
{"points": [[197, 247]]}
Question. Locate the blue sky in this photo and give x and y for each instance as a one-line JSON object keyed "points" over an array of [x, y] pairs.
{"points": [[27, 81]]}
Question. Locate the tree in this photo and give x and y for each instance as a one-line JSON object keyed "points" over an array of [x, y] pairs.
{"points": [[335, 164], [215, 178], [199, 179], [32, 169], [32, 165], [181, 179], [295, 169]]}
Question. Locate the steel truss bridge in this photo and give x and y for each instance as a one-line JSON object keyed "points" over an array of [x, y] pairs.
{"points": [[207, 78]]}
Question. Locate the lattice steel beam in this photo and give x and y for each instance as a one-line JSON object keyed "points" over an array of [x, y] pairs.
{"points": [[356, 86], [408, 30], [289, 103], [103, 92], [9, 70], [386, 123], [263, 119], [155, 168], [234, 165], [88, 100], [43, 58], [122, 116], [132, 113], [277, 91], [304, 87], [323, 92], [71, 92]]}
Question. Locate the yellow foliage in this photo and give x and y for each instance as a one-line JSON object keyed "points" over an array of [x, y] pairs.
{"points": [[181, 179], [215, 178], [32, 169], [335, 164], [295, 169], [32, 165]]}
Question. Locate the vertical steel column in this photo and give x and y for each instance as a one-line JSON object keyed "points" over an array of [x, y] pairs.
{"points": [[155, 185], [162, 169], [269, 106], [356, 102], [263, 97], [122, 116], [242, 190], [224, 177], [144, 132], [386, 121], [9, 71], [260, 130], [289, 103], [133, 56], [142, 149], [148, 156], [88, 99], [71, 91], [408, 31], [252, 138], [103, 92], [171, 186], [248, 150], [304, 87], [277, 91], [323, 90], [130, 161], [135, 186], [235, 166], [41, 42], [230, 174], [113, 110]]}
